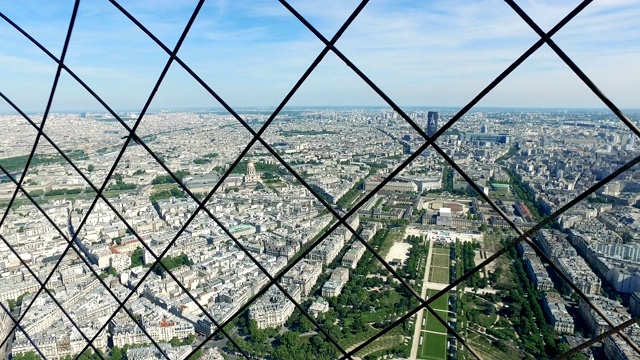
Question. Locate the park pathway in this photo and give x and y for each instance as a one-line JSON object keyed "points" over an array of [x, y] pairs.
{"points": [[419, 315]]}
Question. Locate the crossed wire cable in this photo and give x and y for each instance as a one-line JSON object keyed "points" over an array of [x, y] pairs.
{"points": [[301, 180], [201, 204], [404, 116], [546, 38], [104, 200]]}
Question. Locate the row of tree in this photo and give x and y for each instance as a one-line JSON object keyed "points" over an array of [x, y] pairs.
{"points": [[467, 254], [419, 251], [17, 163], [526, 194], [167, 179], [63, 192], [350, 195], [173, 192], [172, 262], [525, 312]]}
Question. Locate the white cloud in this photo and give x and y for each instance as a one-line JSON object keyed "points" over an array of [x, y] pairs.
{"points": [[420, 52]]}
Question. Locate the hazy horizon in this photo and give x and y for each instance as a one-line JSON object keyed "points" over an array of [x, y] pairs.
{"points": [[406, 108]]}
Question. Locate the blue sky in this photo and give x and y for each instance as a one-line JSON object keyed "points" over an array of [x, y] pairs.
{"points": [[421, 53]]}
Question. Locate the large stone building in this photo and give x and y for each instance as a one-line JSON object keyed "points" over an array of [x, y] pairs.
{"points": [[273, 308], [252, 175], [624, 279], [303, 276], [393, 185], [353, 255], [336, 282], [615, 348], [327, 250], [580, 274], [537, 273], [555, 310], [165, 329], [612, 309]]}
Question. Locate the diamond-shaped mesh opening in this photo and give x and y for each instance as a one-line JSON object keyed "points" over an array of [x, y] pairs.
{"points": [[114, 32], [552, 158], [362, 296], [277, 326], [32, 66], [244, 249], [426, 47], [250, 75]]}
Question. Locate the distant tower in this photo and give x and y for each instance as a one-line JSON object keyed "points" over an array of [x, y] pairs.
{"points": [[432, 123], [630, 142], [484, 129], [544, 142], [251, 176]]}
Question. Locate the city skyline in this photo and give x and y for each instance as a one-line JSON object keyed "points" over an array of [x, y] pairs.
{"points": [[268, 110], [419, 221]]}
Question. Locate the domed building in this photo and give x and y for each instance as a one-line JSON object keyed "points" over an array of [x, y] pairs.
{"points": [[252, 175]]}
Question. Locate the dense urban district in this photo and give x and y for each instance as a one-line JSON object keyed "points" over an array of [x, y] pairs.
{"points": [[427, 223]]}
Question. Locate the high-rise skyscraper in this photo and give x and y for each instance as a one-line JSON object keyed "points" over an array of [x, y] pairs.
{"points": [[432, 123]]}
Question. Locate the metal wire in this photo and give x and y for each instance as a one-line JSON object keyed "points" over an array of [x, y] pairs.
{"points": [[22, 177], [47, 108], [240, 157], [510, 245], [125, 222], [42, 287], [618, 113], [309, 188], [341, 220]]}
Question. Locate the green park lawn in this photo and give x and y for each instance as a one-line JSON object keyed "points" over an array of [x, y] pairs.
{"points": [[439, 275], [434, 347], [439, 260], [434, 344]]}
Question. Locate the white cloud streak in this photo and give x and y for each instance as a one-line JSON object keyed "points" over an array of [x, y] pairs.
{"points": [[420, 52]]}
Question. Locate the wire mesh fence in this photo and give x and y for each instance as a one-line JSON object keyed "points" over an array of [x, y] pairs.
{"points": [[270, 281]]}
